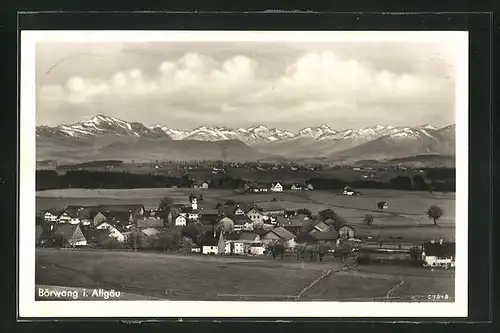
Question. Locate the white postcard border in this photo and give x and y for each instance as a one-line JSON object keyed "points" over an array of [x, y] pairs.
{"points": [[28, 307]]}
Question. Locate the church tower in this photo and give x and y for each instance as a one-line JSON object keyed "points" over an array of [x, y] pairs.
{"points": [[194, 203]]}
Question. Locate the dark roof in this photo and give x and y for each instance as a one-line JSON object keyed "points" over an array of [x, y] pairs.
{"points": [[322, 226], [150, 231], [232, 236], [241, 219], [283, 233], [54, 211], [249, 236], [322, 236], [227, 210], [262, 231], [210, 238], [304, 237], [65, 230], [87, 213], [439, 250], [116, 216], [281, 220], [150, 222], [186, 209], [208, 219], [296, 221]]}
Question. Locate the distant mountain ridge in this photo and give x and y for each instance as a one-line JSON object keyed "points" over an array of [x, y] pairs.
{"points": [[104, 135]]}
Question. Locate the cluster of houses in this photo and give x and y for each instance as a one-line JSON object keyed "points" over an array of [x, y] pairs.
{"points": [[277, 187], [233, 228], [244, 228]]}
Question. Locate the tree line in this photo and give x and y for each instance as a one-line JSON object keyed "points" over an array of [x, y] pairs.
{"points": [[416, 183], [50, 179]]}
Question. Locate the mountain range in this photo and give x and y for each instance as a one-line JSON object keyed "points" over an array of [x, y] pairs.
{"points": [[104, 137]]}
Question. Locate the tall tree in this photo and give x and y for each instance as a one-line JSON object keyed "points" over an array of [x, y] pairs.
{"points": [[165, 208], [434, 213]]}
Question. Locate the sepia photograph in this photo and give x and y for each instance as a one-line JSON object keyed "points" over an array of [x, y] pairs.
{"points": [[240, 173]]}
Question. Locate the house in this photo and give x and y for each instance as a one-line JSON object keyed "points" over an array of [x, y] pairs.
{"points": [[345, 231], [118, 217], [257, 249], [296, 187], [296, 225], [112, 230], [149, 222], [439, 254], [309, 187], [193, 202], [87, 215], [204, 185], [180, 220], [70, 234], [255, 215], [98, 218], [382, 205], [70, 217], [226, 223], [279, 234], [242, 222], [276, 187], [239, 211], [348, 191], [233, 244], [270, 208], [258, 188], [213, 243], [52, 215], [248, 238], [321, 227], [190, 213], [325, 236]]}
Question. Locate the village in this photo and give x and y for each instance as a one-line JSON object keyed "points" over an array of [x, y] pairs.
{"points": [[259, 229]]}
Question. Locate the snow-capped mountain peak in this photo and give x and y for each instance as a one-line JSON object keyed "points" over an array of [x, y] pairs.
{"points": [[428, 126], [259, 134]]}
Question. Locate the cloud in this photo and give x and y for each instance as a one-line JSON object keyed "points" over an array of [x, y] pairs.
{"points": [[315, 85]]}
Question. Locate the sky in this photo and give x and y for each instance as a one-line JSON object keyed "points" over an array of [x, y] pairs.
{"points": [[288, 85]]}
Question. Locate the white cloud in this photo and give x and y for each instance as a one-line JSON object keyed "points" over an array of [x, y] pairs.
{"points": [[238, 87]]}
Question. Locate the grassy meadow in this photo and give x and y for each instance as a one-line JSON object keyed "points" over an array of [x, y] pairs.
{"points": [[196, 277]]}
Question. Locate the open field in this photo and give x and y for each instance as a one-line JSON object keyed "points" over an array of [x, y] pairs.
{"points": [[196, 277], [406, 216]]}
